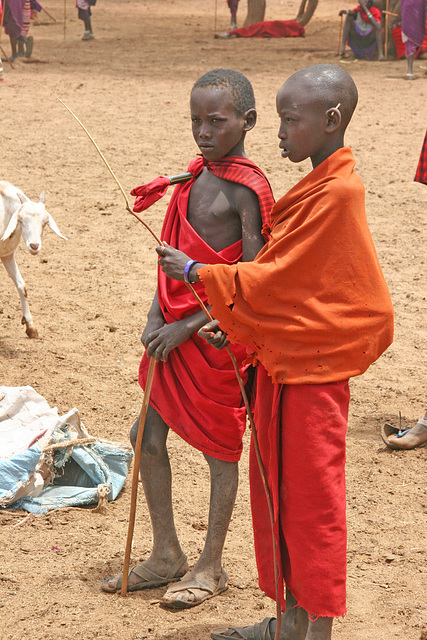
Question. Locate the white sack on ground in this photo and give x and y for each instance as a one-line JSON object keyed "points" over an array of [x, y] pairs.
{"points": [[39, 470]]}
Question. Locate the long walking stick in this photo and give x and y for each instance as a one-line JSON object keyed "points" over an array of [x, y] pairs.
{"points": [[135, 477], [50, 16], [180, 178], [259, 461]]}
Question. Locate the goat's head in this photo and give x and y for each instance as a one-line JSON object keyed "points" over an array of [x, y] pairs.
{"points": [[32, 217]]}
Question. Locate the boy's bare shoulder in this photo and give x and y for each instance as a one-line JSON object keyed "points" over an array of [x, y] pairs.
{"points": [[237, 193]]}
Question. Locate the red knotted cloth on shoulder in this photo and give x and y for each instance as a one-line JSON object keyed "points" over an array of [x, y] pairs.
{"points": [[196, 391], [148, 194]]}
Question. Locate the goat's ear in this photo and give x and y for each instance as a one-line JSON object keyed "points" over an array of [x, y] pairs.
{"points": [[13, 223], [22, 197], [42, 198], [52, 224]]}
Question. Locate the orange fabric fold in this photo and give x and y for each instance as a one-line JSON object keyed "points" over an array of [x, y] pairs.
{"points": [[313, 307]]}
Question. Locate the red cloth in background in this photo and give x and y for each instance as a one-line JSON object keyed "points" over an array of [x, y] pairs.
{"points": [[376, 13], [396, 32], [196, 391], [270, 29], [301, 433]]}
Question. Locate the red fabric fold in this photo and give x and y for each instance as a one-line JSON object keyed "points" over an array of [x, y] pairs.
{"points": [[148, 194], [270, 29], [196, 391]]}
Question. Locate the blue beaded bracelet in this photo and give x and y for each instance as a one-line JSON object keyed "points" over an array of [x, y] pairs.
{"points": [[187, 268]]}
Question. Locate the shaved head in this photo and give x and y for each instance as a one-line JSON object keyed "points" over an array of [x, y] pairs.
{"points": [[326, 85]]}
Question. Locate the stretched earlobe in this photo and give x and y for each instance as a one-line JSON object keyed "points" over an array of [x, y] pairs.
{"points": [[250, 118], [334, 118]]}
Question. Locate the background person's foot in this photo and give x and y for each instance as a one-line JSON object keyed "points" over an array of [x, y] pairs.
{"points": [[29, 46], [407, 439]]}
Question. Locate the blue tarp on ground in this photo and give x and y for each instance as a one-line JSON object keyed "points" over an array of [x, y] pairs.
{"points": [[39, 470]]}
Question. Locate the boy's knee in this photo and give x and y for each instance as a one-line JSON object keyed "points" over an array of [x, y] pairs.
{"points": [[154, 439], [133, 433]]}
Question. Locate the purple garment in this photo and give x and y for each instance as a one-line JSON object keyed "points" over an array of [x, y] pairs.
{"points": [[233, 7], [414, 14], [13, 17]]}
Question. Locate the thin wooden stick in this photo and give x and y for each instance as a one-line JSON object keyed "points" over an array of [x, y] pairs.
{"points": [[259, 460], [3, 4], [137, 459], [340, 36], [155, 236], [386, 31], [50, 16], [65, 19], [216, 11]]}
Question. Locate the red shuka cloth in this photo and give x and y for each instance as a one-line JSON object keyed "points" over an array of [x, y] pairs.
{"points": [[270, 29], [301, 433], [396, 32], [313, 306], [196, 391]]}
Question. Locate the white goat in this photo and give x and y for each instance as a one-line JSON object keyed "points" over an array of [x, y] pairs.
{"points": [[21, 216]]}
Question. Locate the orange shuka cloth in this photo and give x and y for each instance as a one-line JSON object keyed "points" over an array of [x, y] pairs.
{"points": [[313, 307], [196, 391]]}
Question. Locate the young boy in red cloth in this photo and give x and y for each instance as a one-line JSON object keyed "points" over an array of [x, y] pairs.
{"points": [[217, 215], [313, 309]]}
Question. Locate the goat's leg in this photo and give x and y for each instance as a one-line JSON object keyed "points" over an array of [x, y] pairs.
{"points": [[12, 269]]}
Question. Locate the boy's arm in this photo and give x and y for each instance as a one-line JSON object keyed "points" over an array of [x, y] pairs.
{"points": [[160, 342], [155, 320], [159, 338], [250, 216]]}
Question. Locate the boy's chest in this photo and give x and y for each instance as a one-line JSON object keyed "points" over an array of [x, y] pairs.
{"points": [[212, 212]]}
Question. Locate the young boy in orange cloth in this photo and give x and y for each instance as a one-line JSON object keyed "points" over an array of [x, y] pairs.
{"points": [[218, 214], [313, 309]]}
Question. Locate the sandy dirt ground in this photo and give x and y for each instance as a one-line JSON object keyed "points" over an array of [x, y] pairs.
{"points": [[90, 295]]}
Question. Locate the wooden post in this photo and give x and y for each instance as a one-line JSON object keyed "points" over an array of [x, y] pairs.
{"points": [[135, 477], [386, 31], [65, 19], [340, 36]]}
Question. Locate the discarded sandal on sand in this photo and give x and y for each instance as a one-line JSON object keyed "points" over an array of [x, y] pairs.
{"points": [[190, 584], [259, 631], [147, 579], [391, 436]]}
